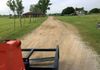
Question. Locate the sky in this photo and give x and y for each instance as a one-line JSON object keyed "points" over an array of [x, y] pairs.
{"points": [[56, 7]]}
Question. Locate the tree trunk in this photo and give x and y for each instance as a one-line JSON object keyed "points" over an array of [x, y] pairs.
{"points": [[30, 18], [24, 19], [20, 21], [14, 21]]}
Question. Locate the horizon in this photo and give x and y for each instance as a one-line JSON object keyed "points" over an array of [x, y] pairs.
{"points": [[56, 7]]}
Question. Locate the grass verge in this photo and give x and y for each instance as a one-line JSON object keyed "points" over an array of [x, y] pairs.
{"points": [[7, 30], [87, 28]]}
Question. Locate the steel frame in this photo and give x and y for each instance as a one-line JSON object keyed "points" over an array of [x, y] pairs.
{"points": [[31, 51]]}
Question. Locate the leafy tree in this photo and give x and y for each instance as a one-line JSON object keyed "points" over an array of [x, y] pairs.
{"points": [[68, 11], [16, 6], [44, 5], [86, 12], [19, 9], [35, 10], [12, 6], [95, 10], [41, 7]]}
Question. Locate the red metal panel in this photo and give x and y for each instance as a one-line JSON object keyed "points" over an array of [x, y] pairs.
{"points": [[3, 57], [11, 56]]}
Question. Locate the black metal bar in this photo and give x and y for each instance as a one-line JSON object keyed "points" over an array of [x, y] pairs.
{"points": [[39, 50], [36, 68], [45, 50], [56, 64], [53, 49], [32, 50], [26, 49], [55, 59], [26, 63], [43, 59]]}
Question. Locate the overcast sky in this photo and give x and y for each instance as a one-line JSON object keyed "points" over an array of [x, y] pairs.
{"points": [[56, 7]]}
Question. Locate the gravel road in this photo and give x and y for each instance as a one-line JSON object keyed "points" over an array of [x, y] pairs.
{"points": [[74, 53]]}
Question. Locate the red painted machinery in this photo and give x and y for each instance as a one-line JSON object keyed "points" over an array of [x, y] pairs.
{"points": [[11, 57]]}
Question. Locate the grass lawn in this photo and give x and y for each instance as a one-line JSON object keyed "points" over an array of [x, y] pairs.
{"points": [[7, 27], [87, 28]]}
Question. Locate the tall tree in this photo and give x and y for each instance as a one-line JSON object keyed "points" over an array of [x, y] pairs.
{"points": [[68, 11], [44, 5], [19, 10], [35, 10], [94, 10], [12, 6]]}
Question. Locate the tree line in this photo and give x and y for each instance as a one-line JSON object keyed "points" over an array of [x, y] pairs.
{"points": [[41, 7], [79, 11], [16, 6]]}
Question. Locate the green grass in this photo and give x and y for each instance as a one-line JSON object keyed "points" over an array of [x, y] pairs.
{"points": [[7, 27], [87, 28]]}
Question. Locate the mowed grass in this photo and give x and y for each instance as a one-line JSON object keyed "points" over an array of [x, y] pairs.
{"points": [[87, 28], [7, 30]]}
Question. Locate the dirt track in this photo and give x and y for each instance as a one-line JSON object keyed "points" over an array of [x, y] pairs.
{"points": [[74, 54]]}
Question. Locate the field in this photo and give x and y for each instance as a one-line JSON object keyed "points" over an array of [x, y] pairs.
{"points": [[74, 53], [7, 30], [87, 28]]}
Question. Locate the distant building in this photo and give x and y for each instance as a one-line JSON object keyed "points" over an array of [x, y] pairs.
{"points": [[28, 14], [80, 11]]}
